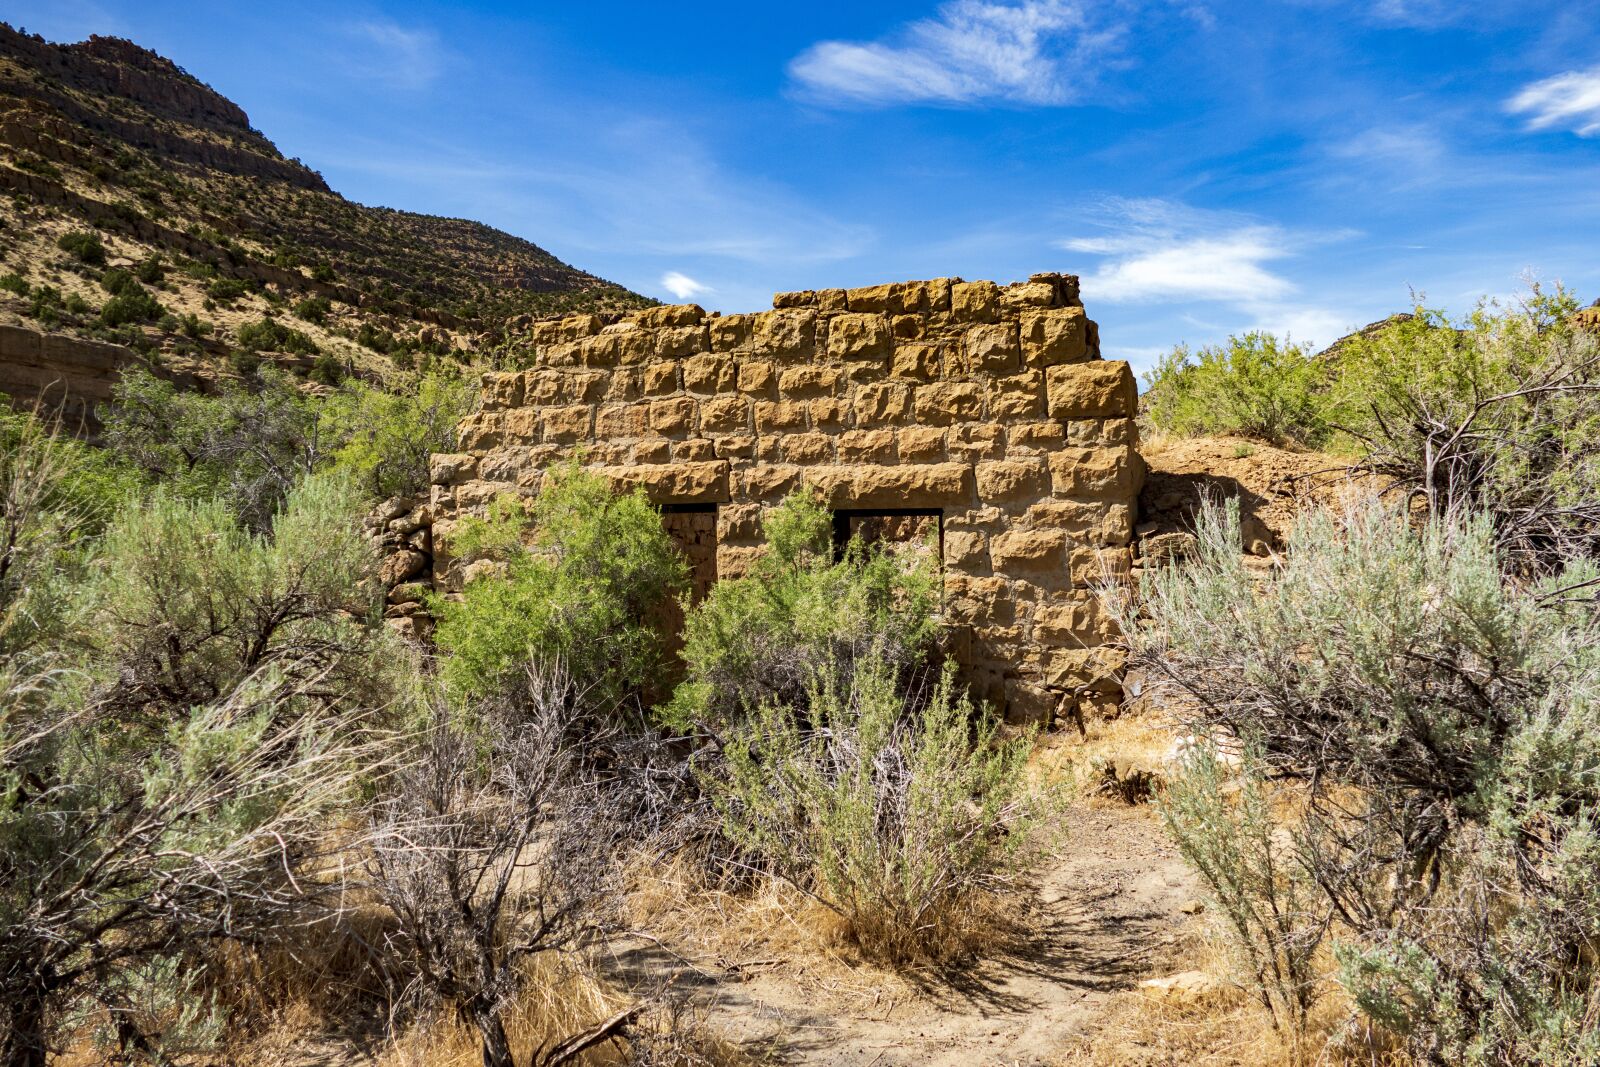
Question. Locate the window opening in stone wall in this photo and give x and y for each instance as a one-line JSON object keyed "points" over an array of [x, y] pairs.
{"points": [[902, 531], [693, 529]]}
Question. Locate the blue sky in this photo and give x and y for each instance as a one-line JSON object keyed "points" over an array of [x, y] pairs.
{"points": [[1207, 167]]}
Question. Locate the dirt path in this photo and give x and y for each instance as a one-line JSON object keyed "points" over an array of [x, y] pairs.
{"points": [[1109, 905]]}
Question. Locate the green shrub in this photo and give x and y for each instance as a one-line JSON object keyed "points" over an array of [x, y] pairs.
{"points": [[1443, 725], [586, 587], [45, 304], [226, 290], [388, 436], [314, 309], [133, 304], [1254, 386], [270, 335], [761, 638], [378, 340], [83, 245], [898, 818], [12, 282], [151, 270], [115, 280]]}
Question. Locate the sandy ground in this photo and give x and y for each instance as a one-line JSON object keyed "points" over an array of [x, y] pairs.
{"points": [[1108, 908]]}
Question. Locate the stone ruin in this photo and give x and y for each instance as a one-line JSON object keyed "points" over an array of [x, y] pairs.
{"points": [[980, 413]]}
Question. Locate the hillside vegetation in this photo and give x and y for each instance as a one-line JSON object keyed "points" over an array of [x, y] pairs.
{"points": [[139, 206]]}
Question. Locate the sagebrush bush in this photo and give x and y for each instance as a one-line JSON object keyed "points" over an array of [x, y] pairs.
{"points": [[897, 815], [1498, 414], [584, 575], [1444, 725], [762, 637], [1254, 385]]}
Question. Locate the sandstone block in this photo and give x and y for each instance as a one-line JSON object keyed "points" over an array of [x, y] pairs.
{"points": [[1004, 481], [694, 450], [1029, 551], [1095, 472], [828, 413], [1095, 567], [935, 485], [1028, 704], [858, 337], [587, 386], [788, 334], [805, 298], [1053, 336], [654, 450], [501, 390], [725, 414], [972, 600], [920, 444], [878, 405], [1076, 624], [966, 550], [451, 468], [736, 561], [756, 377], [522, 425], [993, 348], [621, 421], [674, 483], [729, 332], [737, 447], [674, 341], [674, 416], [661, 379], [567, 424], [867, 446], [708, 374], [627, 383], [671, 315], [808, 381], [915, 360], [481, 431], [1019, 296], [977, 440], [782, 416], [947, 402], [832, 300], [1020, 396], [1044, 436], [1092, 390], [768, 480], [542, 386], [808, 448], [739, 522], [975, 301], [635, 347]]}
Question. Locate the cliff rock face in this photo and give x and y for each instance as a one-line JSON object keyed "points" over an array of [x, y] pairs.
{"points": [[979, 414]]}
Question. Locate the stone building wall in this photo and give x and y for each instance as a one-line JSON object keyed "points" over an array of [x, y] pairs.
{"points": [[985, 407]]}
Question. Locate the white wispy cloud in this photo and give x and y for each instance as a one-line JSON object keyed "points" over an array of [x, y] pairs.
{"points": [[1570, 100], [1157, 250], [1025, 52], [682, 286], [1160, 250], [385, 51]]}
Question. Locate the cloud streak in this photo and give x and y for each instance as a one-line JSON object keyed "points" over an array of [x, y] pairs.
{"points": [[1031, 52], [1157, 250], [1570, 100], [395, 55]]}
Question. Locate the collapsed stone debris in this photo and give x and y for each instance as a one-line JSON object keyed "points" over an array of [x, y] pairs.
{"points": [[979, 413]]}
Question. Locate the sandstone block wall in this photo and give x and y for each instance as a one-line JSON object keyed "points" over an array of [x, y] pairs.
{"points": [[986, 405]]}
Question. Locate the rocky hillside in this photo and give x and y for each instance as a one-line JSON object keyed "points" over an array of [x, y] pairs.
{"points": [[139, 206]]}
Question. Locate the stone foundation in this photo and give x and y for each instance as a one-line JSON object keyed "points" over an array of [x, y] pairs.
{"points": [[983, 408]]}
